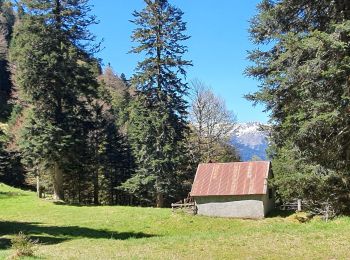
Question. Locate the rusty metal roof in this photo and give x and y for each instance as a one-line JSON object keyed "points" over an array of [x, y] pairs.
{"points": [[236, 178]]}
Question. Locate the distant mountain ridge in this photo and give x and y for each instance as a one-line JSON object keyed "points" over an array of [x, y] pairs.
{"points": [[250, 140]]}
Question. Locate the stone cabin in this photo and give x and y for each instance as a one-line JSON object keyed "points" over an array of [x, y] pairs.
{"points": [[237, 189]]}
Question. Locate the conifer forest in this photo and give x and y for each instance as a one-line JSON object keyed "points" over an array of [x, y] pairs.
{"points": [[75, 130]]}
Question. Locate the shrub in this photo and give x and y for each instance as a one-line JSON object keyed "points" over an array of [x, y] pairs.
{"points": [[300, 217], [23, 246]]}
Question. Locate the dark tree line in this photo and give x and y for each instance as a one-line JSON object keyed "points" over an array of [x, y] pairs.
{"points": [[11, 170], [7, 19]]}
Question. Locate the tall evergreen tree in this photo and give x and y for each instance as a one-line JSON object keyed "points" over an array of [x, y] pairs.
{"points": [[7, 19], [107, 157], [116, 92], [56, 82], [304, 70], [158, 117]]}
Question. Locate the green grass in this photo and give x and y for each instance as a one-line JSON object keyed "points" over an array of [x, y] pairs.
{"points": [[73, 232]]}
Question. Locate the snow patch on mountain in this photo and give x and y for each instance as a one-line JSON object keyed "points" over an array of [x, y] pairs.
{"points": [[250, 140]]}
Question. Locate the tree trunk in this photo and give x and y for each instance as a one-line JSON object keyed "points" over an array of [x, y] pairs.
{"points": [[96, 189], [38, 188], [159, 200], [58, 183]]}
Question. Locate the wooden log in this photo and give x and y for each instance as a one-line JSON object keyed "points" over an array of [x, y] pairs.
{"points": [[182, 204]]}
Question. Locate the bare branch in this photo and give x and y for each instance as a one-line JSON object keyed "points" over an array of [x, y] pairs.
{"points": [[212, 122]]}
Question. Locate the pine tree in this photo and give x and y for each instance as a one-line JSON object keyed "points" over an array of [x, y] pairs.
{"points": [[157, 122], [304, 70], [56, 82], [116, 92], [6, 23], [108, 150]]}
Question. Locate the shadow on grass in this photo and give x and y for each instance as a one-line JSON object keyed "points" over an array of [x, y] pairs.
{"points": [[280, 213], [10, 194], [57, 234], [5, 243], [62, 203]]}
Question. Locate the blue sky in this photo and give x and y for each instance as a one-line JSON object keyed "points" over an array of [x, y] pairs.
{"points": [[218, 45]]}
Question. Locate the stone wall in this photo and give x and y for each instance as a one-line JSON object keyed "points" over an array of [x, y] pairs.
{"points": [[245, 206]]}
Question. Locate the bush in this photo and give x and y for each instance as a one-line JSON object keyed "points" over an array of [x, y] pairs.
{"points": [[22, 245], [300, 217]]}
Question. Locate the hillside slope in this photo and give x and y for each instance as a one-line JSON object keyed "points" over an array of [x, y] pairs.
{"points": [[113, 232]]}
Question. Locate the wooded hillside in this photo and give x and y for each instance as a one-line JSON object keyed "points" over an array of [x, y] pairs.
{"points": [[84, 133]]}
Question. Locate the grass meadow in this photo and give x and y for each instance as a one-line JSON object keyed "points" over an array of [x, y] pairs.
{"points": [[115, 232]]}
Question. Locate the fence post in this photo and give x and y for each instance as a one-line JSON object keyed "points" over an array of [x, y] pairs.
{"points": [[299, 204]]}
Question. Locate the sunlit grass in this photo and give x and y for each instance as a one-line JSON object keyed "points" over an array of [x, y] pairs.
{"points": [[72, 232]]}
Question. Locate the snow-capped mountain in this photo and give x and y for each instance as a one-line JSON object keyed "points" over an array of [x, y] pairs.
{"points": [[250, 140]]}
